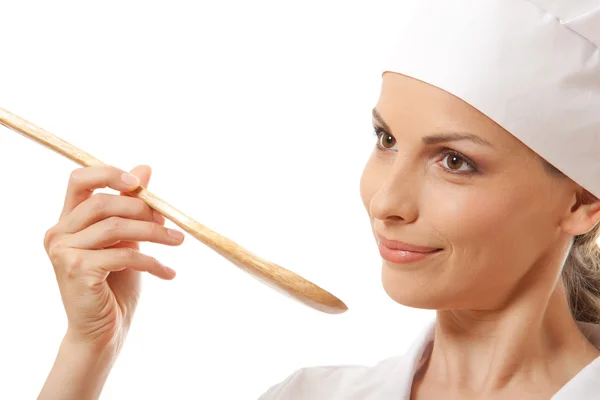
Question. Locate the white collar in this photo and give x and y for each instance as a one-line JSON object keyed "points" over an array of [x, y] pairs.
{"points": [[584, 386]]}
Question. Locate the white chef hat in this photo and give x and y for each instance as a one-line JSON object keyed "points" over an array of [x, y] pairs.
{"points": [[532, 66]]}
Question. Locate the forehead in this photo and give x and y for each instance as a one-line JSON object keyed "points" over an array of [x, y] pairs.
{"points": [[403, 92], [410, 105]]}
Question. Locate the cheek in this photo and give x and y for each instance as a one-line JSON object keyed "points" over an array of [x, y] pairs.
{"points": [[461, 215], [491, 235], [489, 209]]}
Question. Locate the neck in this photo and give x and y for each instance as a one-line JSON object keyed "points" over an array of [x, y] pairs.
{"points": [[530, 340]]}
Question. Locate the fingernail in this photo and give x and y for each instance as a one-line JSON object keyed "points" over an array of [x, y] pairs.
{"points": [[174, 233], [158, 217], [170, 271], [130, 180]]}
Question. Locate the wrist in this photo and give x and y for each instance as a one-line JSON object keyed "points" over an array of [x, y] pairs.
{"points": [[91, 355], [94, 346], [80, 370]]}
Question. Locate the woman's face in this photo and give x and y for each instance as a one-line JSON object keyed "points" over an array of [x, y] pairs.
{"points": [[487, 203]]}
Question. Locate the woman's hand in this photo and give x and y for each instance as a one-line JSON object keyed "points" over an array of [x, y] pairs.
{"points": [[94, 248]]}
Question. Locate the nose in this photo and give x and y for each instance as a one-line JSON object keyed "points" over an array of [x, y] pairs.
{"points": [[397, 196]]}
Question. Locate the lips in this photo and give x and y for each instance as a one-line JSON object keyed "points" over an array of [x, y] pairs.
{"points": [[402, 246]]}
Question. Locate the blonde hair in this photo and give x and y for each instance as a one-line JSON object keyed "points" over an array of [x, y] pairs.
{"points": [[581, 276], [581, 271]]}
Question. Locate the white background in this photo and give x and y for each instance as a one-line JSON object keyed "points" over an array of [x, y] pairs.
{"points": [[256, 119]]}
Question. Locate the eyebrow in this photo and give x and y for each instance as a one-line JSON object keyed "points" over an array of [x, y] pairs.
{"points": [[439, 138]]}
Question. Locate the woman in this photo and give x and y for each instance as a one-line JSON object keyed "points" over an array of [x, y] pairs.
{"points": [[485, 175]]}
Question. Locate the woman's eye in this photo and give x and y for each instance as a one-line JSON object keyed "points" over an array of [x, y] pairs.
{"points": [[385, 141], [455, 163], [452, 161]]}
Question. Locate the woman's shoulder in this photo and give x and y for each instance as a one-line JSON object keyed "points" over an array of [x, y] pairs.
{"points": [[333, 381], [387, 379]]}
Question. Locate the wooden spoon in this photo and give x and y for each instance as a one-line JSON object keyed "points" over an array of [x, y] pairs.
{"points": [[273, 275]]}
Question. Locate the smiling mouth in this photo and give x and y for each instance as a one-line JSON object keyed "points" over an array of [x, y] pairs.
{"points": [[400, 256], [403, 246]]}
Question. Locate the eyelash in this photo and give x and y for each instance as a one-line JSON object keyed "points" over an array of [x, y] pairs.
{"points": [[378, 132]]}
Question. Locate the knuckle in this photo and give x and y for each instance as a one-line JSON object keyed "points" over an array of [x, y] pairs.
{"points": [[75, 263], [112, 224], [48, 238], [141, 208], [55, 253], [156, 230], [89, 281], [114, 172], [127, 254], [98, 202], [76, 175], [155, 261], [66, 260], [152, 263]]}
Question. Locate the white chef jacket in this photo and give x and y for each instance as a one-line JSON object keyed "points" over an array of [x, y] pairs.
{"points": [[391, 379]]}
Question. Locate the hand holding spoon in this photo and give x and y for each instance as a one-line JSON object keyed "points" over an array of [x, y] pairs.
{"points": [[273, 275]]}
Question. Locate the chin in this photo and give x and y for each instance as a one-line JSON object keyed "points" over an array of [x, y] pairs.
{"points": [[411, 288]]}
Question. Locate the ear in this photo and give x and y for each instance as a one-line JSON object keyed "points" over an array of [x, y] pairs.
{"points": [[584, 214]]}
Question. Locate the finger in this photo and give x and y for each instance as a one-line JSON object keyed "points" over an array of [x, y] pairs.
{"points": [[103, 205], [123, 243], [83, 182], [143, 172], [95, 265], [112, 230]]}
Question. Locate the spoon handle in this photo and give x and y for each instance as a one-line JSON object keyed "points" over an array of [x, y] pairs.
{"points": [[47, 139], [72, 152], [267, 272]]}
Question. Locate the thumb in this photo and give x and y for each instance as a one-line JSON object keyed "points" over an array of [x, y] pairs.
{"points": [[143, 172]]}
